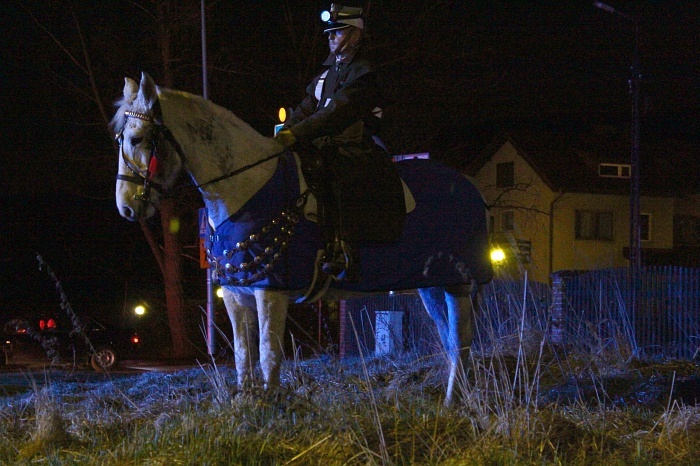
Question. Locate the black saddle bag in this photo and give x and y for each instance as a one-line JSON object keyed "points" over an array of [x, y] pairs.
{"points": [[368, 198]]}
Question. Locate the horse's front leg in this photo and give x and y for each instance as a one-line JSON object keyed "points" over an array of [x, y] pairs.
{"points": [[241, 312], [272, 315]]}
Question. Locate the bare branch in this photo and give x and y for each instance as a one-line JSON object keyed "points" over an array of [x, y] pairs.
{"points": [[56, 41], [89, 71]]}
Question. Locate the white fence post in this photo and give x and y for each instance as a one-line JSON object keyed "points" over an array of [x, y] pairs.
{"points": [[388, 330]]}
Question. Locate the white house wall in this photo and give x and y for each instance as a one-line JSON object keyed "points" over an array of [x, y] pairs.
{"points": [[570, 253], [531, 202]]}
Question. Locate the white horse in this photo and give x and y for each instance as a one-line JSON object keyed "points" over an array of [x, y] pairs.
{"points": [[251, 188]]}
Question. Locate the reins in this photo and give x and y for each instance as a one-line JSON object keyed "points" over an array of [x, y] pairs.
{"points": [[161, 128], [242, 169]]}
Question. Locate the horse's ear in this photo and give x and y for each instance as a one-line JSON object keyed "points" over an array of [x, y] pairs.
{"points": [[130, 90], [147, 88]]}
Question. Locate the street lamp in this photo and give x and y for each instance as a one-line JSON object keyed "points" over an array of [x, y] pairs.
{"points": [[140, 310], [635, 256], [497, 256], [635, 250]]}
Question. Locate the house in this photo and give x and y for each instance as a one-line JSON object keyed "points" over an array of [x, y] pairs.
{"points": [[561, 200]]}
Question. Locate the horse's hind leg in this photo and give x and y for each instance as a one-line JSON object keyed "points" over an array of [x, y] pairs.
{"points": [[452, 310], [272, 316], [460, 305], [434, 302], [241, 312]]}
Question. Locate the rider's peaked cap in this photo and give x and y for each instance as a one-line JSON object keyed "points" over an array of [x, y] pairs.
{"points": [[340, 17]]}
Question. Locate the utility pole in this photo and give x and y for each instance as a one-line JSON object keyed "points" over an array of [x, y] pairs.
{"points": [[635, 230], [211, 342], [635, 248]]}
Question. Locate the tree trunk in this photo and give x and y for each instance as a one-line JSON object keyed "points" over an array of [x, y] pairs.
{"points": [[181, 327]]}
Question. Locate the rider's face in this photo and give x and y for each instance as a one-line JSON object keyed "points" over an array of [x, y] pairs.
{"points": [[337, 38]]}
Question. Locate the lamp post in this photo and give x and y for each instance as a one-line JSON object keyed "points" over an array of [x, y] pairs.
{"points": [[211, 343], [635, 250]]}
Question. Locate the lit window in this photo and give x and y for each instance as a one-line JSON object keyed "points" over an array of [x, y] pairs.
{"points": [[614, 170]]}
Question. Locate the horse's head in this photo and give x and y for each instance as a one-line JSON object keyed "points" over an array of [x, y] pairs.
{"points": [[148, 158]]}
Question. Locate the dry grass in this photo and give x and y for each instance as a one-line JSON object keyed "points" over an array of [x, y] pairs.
{"points": [[525, 401], [372, 411]]}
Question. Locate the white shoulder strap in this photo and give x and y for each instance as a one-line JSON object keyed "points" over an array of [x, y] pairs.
{"points": [[318, 92]]}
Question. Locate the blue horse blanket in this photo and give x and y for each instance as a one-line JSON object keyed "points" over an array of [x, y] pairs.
{"points": [[444, 239]]}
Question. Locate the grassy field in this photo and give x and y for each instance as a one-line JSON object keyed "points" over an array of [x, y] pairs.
{"points": [[535, 405], [524, 401]]}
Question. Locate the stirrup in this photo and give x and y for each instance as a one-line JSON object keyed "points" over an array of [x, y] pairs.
{"points": [[319, 283], [342, 266]]}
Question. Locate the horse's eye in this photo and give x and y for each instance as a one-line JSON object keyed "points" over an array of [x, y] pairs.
{"points": [[136, 141]]}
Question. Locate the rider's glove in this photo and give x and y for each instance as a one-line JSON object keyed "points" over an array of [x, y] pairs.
{"points": [[286, 138]]}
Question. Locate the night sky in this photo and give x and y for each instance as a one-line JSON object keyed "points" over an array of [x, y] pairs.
{"points": [[453, 74]]}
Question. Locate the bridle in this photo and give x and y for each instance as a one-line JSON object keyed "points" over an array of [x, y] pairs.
{"points": [[156, 159], [146, 176]]}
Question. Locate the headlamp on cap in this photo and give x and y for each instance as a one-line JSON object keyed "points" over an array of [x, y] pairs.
{"points": [[340, 17]]}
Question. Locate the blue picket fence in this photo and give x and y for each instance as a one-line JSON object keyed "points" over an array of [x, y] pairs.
{"points": [[596, 306], [589, 309]]}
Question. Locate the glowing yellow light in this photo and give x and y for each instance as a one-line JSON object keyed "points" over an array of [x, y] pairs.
{"points": [[139, 310], [497, 255], [174, 225], [282, 114], [219, 292]]}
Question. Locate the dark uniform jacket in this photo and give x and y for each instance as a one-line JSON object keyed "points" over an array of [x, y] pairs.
{"points": [[342, 118], [336, 116]]}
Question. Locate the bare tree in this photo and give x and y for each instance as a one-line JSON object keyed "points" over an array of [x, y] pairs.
{"points": [[170, 22]]}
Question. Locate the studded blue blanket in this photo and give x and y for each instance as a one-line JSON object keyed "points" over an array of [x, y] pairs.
{"points": [[270, 244]]}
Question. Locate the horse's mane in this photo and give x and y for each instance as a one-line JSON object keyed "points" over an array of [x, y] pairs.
{"points": [[118, 118], [222, 114]]}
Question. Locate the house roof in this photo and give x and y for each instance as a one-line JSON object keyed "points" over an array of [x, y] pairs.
{"points": [[569, 161]]}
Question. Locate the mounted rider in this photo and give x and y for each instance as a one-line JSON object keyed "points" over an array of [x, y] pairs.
{"points": [[335, 131]]}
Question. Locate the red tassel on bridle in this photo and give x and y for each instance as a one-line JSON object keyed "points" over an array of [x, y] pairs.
{"points": [[152, 168]]}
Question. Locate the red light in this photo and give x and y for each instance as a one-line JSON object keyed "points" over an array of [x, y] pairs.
{"points": [[51, 324], [42, 324], [135, 339]]}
